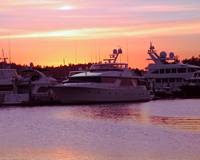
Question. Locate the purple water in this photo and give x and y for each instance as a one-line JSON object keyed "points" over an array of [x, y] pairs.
{"points": [[166, 129]]}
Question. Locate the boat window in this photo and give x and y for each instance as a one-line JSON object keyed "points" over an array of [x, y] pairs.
{"points": [[158, 80], [179, 79], [165, 80], [29, 74], [173, 70], [84, 79], [197, 75], [162, 71], [181, 70], [156, 71], [108, 80], [6, 87], [167, 70], [43, 89], [194, 80], [194, 69], [126, 82]]}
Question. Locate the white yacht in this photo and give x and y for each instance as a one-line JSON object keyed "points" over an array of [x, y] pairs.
{"points": [[37, 85], [167, 75], [30, 87], [104, 82], [8, 88]]}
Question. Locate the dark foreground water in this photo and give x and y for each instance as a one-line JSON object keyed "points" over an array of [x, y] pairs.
{"points": [[157, 130]]}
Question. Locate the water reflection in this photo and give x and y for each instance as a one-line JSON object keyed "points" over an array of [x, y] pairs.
{"points": [[43, 154], [136, 114], [138, 131]]}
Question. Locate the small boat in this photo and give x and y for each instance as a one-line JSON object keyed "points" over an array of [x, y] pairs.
{"points": [[104, 82], [37, 84], [30, 87], [9, 94]]}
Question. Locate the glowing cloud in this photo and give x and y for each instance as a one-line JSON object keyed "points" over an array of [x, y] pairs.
{"points": [[113, 32], [66, 7], [165, 8]]}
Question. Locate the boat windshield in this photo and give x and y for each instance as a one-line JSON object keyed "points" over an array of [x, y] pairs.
{"points": [[109, 67], [84, 79], [89, 79]]}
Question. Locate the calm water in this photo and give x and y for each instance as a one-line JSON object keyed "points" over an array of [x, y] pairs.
{"points": [[157, 130]]}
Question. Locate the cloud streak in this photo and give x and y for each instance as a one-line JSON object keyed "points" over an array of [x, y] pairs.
{"points": [[114, 32], [165, 8]]}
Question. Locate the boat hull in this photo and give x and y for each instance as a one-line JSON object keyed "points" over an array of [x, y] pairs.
{"points": [[191, 91], [13, 99], [71, 95]]}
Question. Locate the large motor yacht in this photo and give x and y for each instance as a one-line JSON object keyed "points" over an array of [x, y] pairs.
{"points": [[167, 75], [104, 82]]}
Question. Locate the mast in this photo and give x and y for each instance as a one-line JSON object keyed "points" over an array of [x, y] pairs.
{"points": [[3, 56], [163, 58], [152, 53]]}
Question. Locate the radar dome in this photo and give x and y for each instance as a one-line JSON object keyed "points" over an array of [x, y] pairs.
{"points": [[163, 55], [114, 51], [171, 55], [120, 51]]}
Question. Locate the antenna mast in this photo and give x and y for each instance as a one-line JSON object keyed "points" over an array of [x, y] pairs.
{"points": [[114, 56], [9, 51], [3, 57], [152, 52], [127, 50]]}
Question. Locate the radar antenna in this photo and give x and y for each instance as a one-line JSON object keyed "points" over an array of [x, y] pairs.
{"points": [[114, 56], [152, 53], [3, 57]]}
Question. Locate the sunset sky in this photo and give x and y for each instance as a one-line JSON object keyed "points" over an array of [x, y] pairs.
{"points": [[47, 31]]}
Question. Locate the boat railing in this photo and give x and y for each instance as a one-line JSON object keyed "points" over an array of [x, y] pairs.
{"points": [[109, 67]]}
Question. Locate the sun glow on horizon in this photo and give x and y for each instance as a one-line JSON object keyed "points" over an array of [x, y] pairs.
{"points": [[66, 7], [79, 29]]}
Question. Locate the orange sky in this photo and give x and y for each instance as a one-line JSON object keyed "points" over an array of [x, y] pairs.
{"points": [[47, 31]]}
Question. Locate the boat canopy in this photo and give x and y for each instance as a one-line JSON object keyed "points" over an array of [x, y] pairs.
{"points": [[8, 73], [109, 67]]}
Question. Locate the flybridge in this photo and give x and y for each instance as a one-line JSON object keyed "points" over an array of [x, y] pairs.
{"points": [[110, 64], [114, 56], [162, 58]]}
